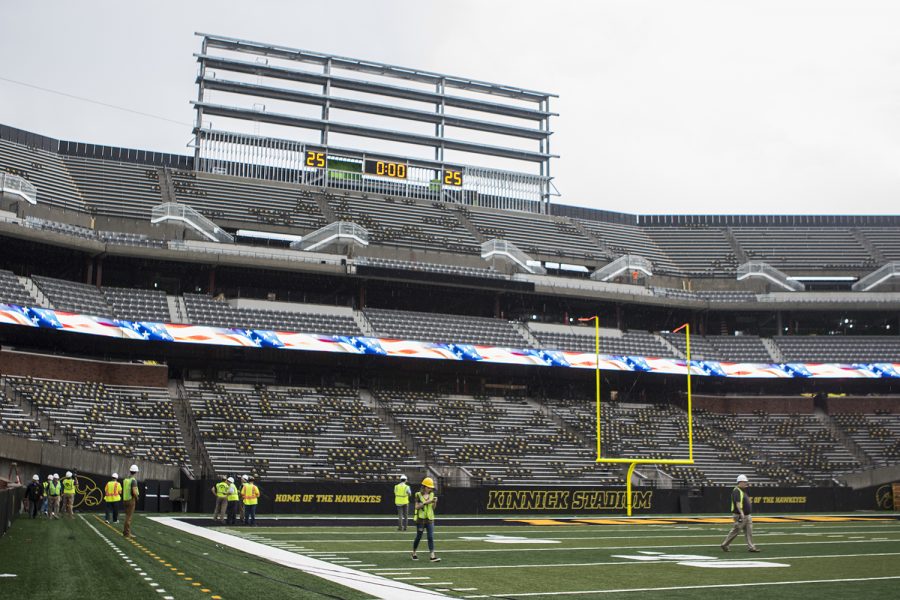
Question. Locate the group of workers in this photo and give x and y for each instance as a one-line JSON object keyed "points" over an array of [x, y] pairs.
{"points": [[56, 496], [233, 503]]}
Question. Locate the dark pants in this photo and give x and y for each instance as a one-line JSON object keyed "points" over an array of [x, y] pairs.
{"points": [[424, 526], [35, 508], [129, 514], [249, 514], [231, 512], [111, 508]]}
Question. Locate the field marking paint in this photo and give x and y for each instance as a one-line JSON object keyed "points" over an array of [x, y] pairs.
{"points": [[614, 563], [646, 546], [122, 555], [8, 575], [368, 583], [696, 587]]}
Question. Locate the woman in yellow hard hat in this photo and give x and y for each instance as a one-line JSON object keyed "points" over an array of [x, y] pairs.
{"points": [[426, 500]]}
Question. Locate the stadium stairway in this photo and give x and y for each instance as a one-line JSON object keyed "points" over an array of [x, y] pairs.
{"points": [[675, 351], [839, 434], [42, 419], [773, 349], [190, 433], [388, 419], [552, 415], [35, 292]]}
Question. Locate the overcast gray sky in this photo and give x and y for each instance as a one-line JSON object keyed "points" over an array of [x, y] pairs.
{"points": [[666, 106]]}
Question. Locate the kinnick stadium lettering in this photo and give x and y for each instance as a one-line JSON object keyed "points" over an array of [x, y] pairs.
{"points": [[566, 500]]}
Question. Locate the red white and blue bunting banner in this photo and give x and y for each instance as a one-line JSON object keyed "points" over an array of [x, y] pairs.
{"points": [[255, 338]]}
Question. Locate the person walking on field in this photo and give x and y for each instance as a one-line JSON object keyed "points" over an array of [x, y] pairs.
{"points": [[426, 500], [34, 493], [221, 492], [741, 509], [130, 495], [112, 495], [46, 504], [54, 489], [68, 495], [402, 492]]}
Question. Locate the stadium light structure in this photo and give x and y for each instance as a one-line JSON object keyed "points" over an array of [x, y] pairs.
{"points": [[634, 462], [237, 78]]}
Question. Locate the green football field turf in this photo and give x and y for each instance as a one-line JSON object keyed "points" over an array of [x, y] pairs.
{"points": [[86, 558]]}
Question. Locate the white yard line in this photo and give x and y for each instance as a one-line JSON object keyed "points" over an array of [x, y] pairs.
{"points": [[693, 587], [641, 547], [368, 583], [633, 563]]}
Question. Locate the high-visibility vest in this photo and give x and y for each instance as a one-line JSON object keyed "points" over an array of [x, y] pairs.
{"points": [[741, 492], [427, 510], [127, 493], [232, 493], [401, 494], [53, 488], [46, 487], [221, 489], [113, 491], [68, 486], [249, 493]]}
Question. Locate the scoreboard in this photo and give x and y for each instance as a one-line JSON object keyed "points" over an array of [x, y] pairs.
{"points": [[318, 159]]}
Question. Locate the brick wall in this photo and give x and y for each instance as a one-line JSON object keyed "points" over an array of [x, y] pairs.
{"points": [[76, 369]]}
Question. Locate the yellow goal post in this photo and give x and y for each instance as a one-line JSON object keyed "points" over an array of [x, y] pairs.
{"points": [[634, 462]]}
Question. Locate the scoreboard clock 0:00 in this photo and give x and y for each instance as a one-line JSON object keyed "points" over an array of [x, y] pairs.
{"points": [[383, 168]]}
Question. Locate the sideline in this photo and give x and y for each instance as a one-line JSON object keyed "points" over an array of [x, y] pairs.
{"points": [[377, 586]]}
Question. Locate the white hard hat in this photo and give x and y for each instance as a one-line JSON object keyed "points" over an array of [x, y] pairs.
{"points": [[56, 476], [403, 478], [50, 476], [68, 473], [36, 477], [133, 469], [743, 478], [231, 480], [115, 475], [245, 477]]}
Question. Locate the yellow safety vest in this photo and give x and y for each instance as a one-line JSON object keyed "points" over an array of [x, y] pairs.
{"points": [[427, 511], [127, 494], [249, 493], [232, 493], [68, 486], [741, 492], [113, 492], [401, 494], [53, 488], [221, 489]]}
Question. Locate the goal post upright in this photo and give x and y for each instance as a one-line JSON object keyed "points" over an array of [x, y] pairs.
{"points": [[634, 462]]}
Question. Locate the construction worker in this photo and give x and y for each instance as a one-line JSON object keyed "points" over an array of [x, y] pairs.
{"points": [[34, 493], [68, 495], [46, 502], [402, 492], [741, 509], [220, 490], [233, 499], [54, 489], [244, 480], [130, 495], [250, 497], [426, 500], [112, 495]]}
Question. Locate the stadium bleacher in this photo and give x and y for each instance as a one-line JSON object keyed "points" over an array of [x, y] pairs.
{"points": [[445, 328]]}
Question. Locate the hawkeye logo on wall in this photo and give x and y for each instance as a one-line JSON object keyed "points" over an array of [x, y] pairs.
{"points": [[566, 500], [696, 560]]}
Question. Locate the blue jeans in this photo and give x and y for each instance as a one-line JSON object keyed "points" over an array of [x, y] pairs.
{"points": [[424, 526], [112, 507], [249, 514]]}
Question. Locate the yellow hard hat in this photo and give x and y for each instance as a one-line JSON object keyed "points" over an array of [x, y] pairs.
{"points": [[428, 482]]}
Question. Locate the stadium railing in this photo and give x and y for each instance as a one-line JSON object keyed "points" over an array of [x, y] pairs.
{"points": [[10, 501]]}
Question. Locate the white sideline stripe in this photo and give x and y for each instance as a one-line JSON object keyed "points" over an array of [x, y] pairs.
{"points": [[631, 562], [696, 587], [642, 547], [121, 554], [368, 583], [718, 534]]}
